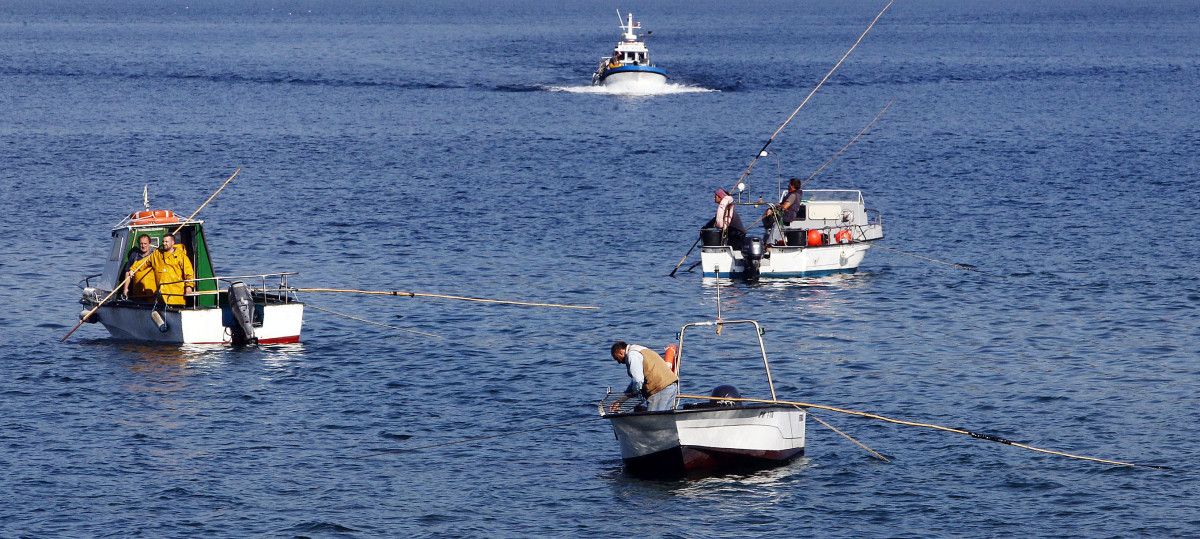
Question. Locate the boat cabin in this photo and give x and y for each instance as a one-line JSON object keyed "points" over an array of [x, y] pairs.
{"points": [[824, 208], [156, 224]]}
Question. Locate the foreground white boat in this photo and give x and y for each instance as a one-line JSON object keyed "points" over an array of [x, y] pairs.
{"points": [[629, 69], [708, 436], [832, 234], [243, 309]]}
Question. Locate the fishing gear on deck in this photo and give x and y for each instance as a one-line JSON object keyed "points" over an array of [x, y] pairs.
{"points": [[976, 435]]}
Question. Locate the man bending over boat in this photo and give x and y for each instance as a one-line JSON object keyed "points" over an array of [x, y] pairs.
{"points": [[653, 379]]}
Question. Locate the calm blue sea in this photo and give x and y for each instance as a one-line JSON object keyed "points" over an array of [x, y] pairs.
{"points": [[452, 147]]}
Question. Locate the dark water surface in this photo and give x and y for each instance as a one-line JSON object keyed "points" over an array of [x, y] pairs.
{"points": [[405, 146]]}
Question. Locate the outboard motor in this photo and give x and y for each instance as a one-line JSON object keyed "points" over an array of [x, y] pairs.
{"points": [[241, 304], [725, 391], [752, 254]]}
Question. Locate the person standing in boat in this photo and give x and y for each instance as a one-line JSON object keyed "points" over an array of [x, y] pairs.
{"points": [[787, 210], [652, 378], [173, 272], [728, 220], [139, 272]]}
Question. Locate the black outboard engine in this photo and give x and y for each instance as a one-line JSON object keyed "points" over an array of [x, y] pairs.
{"points": [[752, 254], [726, 391], [241, 304]]}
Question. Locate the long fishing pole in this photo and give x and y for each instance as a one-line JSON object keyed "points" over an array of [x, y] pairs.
{"points": [[976, 435], [401, 293], [141, 262], [852, 141], [762, 152]]}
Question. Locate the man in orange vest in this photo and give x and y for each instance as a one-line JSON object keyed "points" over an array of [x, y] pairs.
{"points": [[653, 379]]}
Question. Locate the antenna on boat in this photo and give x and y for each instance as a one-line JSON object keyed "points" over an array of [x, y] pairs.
{"points": [[146, 196]]}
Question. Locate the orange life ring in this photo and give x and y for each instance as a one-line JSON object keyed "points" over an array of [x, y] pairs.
{"points": [[815, 238], [669, 355], [152, 217], [843, 236]]}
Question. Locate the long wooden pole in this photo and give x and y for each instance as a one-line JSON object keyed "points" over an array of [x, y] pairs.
{"points": [[977, 435], [121, 286], [402, 293]]}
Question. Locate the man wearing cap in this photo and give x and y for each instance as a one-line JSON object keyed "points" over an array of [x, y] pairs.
{"points": [[728, 220], [653, 379]]}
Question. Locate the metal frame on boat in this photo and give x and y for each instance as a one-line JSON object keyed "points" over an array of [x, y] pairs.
{"points": [[709, 436]]}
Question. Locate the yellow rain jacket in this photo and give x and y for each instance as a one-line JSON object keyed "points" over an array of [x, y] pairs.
{"points": [[142, 284], [170, 267]]}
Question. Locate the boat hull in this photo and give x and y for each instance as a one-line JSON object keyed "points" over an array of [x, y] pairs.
{"points": [[707, 440], [281, 323], [724, 261], [627, 80]]}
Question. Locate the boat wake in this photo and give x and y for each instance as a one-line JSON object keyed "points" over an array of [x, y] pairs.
{"points": [[666, 89]]}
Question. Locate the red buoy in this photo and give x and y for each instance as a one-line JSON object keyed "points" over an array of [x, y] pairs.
{"points": [[815, 238]]}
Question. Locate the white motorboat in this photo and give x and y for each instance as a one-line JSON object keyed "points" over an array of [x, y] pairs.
{"points": [[628, 68], [712, 435], [240, 309], [831, 234]]}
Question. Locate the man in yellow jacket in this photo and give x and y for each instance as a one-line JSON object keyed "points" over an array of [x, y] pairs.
{"points": [[173, 272], [141, 273]]}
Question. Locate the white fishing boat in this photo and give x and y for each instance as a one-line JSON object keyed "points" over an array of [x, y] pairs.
{"points": [[831, 233], [242, 309], [628, 68], [712, 435]]}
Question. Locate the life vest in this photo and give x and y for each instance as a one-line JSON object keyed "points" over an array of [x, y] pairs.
{"points": [[842, 236], [152, 217]]}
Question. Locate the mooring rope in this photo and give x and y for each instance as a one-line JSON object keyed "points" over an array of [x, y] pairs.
{"points": [[873, 453], [955, 265], [372, 322], [401, 293], [976, 435]]}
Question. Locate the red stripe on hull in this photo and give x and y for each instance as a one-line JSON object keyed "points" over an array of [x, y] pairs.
{"points": [[273, 340]]}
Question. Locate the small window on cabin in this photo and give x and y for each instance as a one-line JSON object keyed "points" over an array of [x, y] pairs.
{"points": [[118, 246]]}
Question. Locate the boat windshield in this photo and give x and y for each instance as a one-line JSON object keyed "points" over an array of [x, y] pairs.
{"points": [[831, 195]]}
